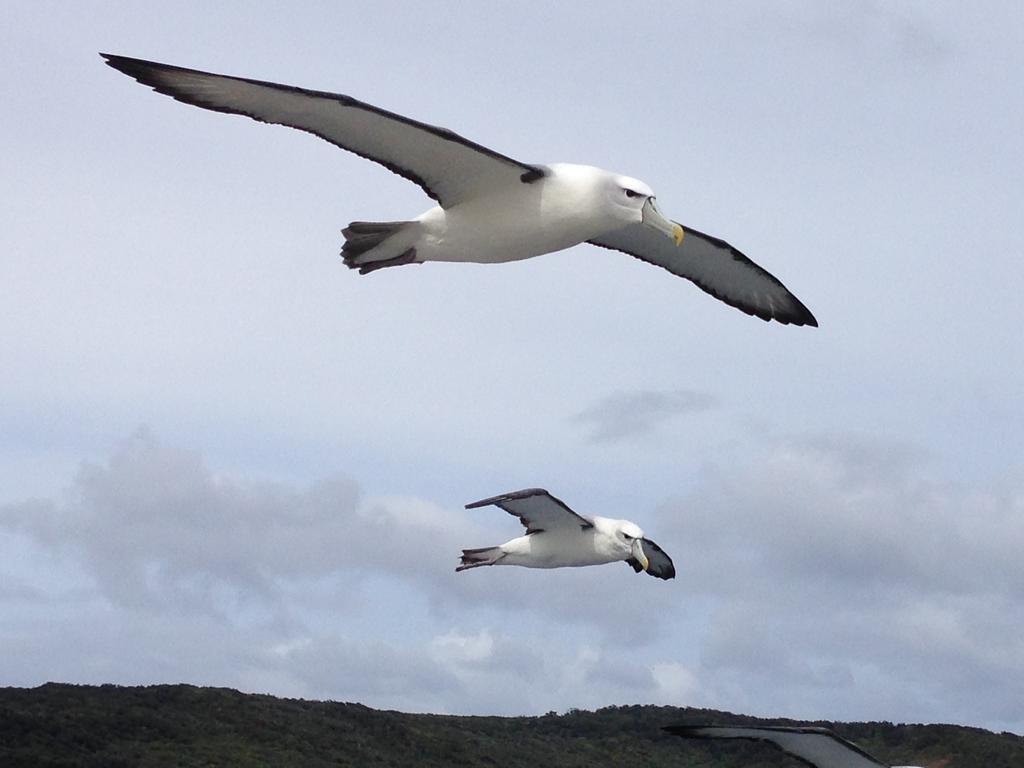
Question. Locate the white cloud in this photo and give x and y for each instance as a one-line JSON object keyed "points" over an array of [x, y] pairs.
{"points": [[675, 683], [461, 648]]}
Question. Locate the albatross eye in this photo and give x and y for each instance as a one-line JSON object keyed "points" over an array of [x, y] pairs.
{"points": [[626, 536], [631, 193]]}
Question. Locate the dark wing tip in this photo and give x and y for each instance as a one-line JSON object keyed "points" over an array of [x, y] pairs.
{"points": [[510, 496], [155, 75], [795, 313], [140, 69], [665, 573], [805, 314], [798, 315]]}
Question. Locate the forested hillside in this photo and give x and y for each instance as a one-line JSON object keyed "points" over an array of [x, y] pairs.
{"points": [[181, 725]]}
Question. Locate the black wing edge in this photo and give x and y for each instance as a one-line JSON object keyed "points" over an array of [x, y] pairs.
{"points": [[670, 573], [510, 496], [499, 501], [800, 314], [693, 732], [142, 71]]}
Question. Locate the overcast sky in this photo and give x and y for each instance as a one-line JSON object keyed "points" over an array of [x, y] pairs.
{"points": [[227, 460]]}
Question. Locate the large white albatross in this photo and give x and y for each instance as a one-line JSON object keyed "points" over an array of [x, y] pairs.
{"points": [[491, 208], [557, 537], [817, 747]]}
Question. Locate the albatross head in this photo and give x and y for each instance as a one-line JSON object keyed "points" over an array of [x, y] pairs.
{"points": [[635, 202], [624, 540], [631, 537]]}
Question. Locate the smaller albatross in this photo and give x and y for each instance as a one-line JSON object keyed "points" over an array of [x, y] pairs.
{"points": [[817, 747], [557, 537], [490, 207]]}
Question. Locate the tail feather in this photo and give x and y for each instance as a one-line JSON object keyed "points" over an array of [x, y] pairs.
{"points": [[474, 558], [366, 247]]}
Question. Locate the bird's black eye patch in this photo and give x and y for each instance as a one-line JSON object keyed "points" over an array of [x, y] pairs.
{"points": [[631, 193], [627, 536]]}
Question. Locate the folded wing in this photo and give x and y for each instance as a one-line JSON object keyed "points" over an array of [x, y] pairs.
{"points": [[447, 166], [713, 266], [537, 509]]}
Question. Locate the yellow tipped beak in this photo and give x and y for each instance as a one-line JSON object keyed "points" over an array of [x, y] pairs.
{"points": [[653, 217], [638, 554]]}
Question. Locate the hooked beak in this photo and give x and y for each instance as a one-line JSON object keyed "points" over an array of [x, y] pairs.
{"points": [[638, 554], [652, 217]]}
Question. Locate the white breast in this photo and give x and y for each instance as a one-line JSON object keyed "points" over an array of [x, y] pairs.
{"points": [[561, 210]]}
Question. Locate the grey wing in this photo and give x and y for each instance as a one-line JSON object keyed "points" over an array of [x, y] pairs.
{"points": [[818, 747], [659, 564], [537, 509], [448, 167], [715, 267]]}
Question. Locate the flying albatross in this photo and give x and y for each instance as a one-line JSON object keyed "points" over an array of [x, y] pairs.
{"points": [[817, 747], [491, 208], [557, 537]]}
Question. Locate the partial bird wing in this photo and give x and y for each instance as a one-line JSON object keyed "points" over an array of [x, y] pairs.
{"points": [[659, 564], [713, 266], [448, 167], [818, 747], [537, 509]]}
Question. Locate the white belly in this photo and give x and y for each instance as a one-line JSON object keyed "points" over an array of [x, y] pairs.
{"points": [[516, 223], [547, 550]]}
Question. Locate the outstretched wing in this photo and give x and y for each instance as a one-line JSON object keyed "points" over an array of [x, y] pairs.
{"points": [[448, 167], [713, 266], [537, 509], [818, 747]]}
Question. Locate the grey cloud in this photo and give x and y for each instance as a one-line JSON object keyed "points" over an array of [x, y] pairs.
{"points": [[263, 587], [839, 564], [155, 528], [819, 575], [918, 655], [461, 671], [374, 673], [850, 512], [873, 30], [154, 521], [626, 609], [626, 415], [93, 642]]}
